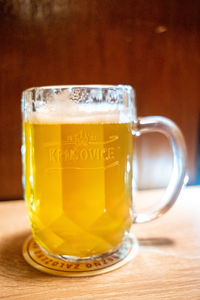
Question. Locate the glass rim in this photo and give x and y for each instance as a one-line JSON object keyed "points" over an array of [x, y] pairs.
{"points": [[92, 86]]}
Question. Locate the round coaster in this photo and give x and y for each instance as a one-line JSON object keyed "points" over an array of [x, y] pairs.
{"points": [[41, 261]]}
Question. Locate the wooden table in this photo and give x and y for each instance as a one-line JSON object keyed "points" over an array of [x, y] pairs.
{"points": [[166, 267]]}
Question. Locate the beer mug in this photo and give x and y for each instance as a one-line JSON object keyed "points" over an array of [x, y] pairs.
{"points": [[78, 157]]}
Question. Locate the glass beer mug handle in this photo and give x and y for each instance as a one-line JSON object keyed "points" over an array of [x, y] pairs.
{"points": [[173, 133]]}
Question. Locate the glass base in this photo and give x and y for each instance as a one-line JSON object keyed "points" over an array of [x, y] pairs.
{"points": [[70, 266]]}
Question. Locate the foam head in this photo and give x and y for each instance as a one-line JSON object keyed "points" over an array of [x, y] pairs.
{"points": [[59, 108]]}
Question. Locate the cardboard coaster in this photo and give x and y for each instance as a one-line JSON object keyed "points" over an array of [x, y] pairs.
{"points": [[41, 261]]}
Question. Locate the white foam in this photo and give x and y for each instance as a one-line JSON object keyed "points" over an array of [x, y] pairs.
{"points": [[60, 109]]}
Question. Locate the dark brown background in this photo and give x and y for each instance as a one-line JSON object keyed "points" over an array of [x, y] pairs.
{"points": [[152, 45]]}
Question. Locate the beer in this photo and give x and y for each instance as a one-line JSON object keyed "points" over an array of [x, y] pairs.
{"points": [[78, 184]]}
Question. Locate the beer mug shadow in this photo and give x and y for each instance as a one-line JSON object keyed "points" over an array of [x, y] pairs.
{"points": [[155, 242]]}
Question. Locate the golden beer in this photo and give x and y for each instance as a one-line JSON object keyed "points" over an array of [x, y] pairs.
{"points": [[78, 185]]}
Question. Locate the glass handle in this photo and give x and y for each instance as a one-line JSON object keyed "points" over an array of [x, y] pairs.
{"points": [[173, 133]]}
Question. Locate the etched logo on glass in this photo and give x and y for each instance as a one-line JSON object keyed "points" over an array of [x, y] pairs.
{"points": [[84, 151]]}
